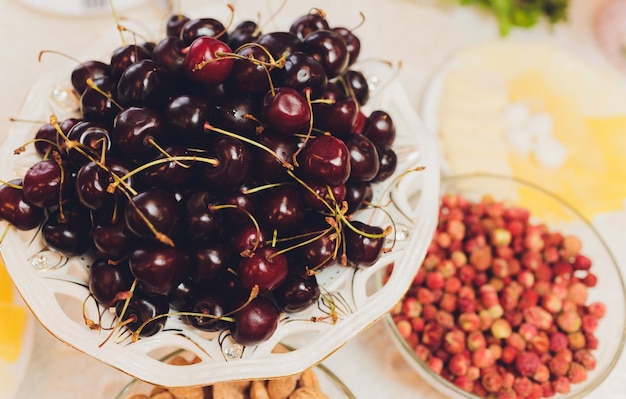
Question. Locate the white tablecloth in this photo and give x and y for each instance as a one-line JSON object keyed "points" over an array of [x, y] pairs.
{"points": [[422, 37]]}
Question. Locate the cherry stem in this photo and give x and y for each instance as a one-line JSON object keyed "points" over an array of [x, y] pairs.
{"points": [[4, 234], [12, 119], [117, 21], [109, 97], [15, 186], [90, 323], [230, 22], [248, 252], [300, 244], [305, 185], [307, 93], [162, 151], [285, 164], [360, 23]]}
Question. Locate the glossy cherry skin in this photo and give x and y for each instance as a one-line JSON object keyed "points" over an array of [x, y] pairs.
{"points": [[388, 163], [68, 232], [174, 24], [186, 114], [144, 83], [326, 160], [364, 160], [286, 111], [185, 292], [200, 222], [124, 56], [92, 182], [380, 129], [134, 131], [209, 260], [15, 210], [88, 70], [297, 292], [353, 43], [141, 308], [92, 139], [205, 62], [279, 43], [45, 182], [337, 118], [170, 53], [302, 71], [202, 27], [311, 22], [268, 167], [256, 322], [114, 240], [236, 114], [158, 268], [358, 195], [96, 107], [313, 201], [234, 164], [159, 208], [247, 238], [329, 48], [245, 32], [170, 174], [320, 253], [249, 76], [283, 208], [107, 280], [361, 250], [358, 85], [212, 307], [265, 268]]}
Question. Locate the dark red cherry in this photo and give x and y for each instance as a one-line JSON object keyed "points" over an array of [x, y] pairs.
{"points": [[358, 195], [250, 72], [245, 203], [136, 129], [320, 253], [170, 53], [15, 210], [315, 199], [186, 114], [236, 114], [256, 322], [279, 43], [92, 140], [234, 164], [311, 22], [88, 70], [297, 292], [379, 128], [66, 230], [268, 167], [388, 163], [124, 56], [158, 268], [207, 62], [247, 238], [144, 83], [46, 139], [337, 118], [153, 211], [330, 50], [175, 23], [362, 249], [209, 260], [114, 239], [364, 161], [286, 111], [283, 207], [353, 43], [211, 306], [302, 71], [175, 173], [245, 32], [357, 85], [92, 181], [326, 160], [266, 269], [45, 182], [200, 222], [96, 106], [202, 27], [184, 293], [142, 311], [107, 280]]}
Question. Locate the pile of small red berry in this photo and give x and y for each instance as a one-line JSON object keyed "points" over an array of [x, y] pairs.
{"points": [[214, 173], [500, 307]]}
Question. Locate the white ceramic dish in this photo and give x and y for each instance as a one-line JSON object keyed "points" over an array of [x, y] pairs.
{"points": [[55, 287]]}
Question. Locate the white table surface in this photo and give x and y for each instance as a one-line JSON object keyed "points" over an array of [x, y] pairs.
{"points": [[422, 37]]}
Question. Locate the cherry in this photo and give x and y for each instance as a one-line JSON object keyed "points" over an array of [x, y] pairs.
{"points": [[199, 220], [45, 137], [114, 239], [337, 118], [256, 322], [169, 174], [157, 207], [97, 103], [66, 230], [14, 208], [208, 261], [357, 85], [279, 43], [302, 71], [245, 32], [234, 164], [364, 161], [107, 280], [330, 50], [319, 253], [312, 198], [236, 114], [144, 308], [283, 208], [380, 128], [202, 27], [174, 24], [206, 62], [135, 130], [170, 53], [286, 111], [92, 181], [158, 268], [358, 195], [326, 160], [244, 204], [297, 292], [388, 163], [184, 293], [45, 182], [363, 248], [93, 141], [266, 268], [212, 307], [268, 167], [353, 43], [311, 22], [144, 83], [250, 71], [186, 114], [88, 70], [247, 238], [124, 56]]}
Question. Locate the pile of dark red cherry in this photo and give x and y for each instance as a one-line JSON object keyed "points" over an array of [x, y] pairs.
{"points": [[213, 173]]}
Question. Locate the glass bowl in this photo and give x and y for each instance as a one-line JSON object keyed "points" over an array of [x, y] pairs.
{"points": [[558, 216], [329, 383]]}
